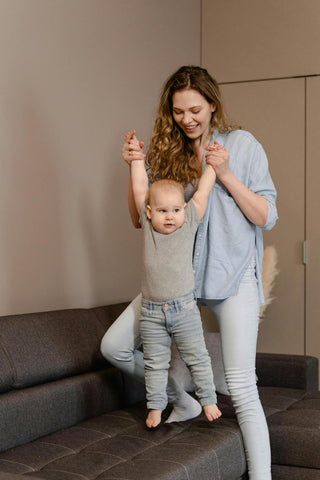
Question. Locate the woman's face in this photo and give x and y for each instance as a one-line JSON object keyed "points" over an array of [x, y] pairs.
{"points": [[192, 113]]}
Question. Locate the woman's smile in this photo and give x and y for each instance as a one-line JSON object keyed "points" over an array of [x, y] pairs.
{"points": [[192, 113], [191, 129]]}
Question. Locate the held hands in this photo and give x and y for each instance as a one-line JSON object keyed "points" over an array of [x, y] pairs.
{"points": [[132, 148], [218, 157]]}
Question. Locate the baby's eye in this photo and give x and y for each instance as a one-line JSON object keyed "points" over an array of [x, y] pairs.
{"points": [[196, 111], [176, 210], [162, 211]]}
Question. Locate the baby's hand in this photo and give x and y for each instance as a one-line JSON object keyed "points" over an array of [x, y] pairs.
{"points": [[132, 148]]}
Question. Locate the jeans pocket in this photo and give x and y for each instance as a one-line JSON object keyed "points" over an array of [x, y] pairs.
{"points": [[191, 307]]}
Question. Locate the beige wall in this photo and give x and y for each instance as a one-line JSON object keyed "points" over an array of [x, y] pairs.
{"points": [[258, 39], [75, 76], [312, 217]]}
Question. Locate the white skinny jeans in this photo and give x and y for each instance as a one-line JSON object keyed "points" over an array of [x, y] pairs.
{"points": [[238, 318]]}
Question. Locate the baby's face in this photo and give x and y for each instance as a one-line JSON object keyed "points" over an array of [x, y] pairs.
{"points": [[166, 210]]}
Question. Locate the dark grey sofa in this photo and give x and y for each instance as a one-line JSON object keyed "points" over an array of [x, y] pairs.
{"points": [[65, 414]]}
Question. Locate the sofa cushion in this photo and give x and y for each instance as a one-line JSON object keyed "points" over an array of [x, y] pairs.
{"points": [[47, 346], [36, 411], [284, 472], [295, 433], [118, 445], [293, 418]]}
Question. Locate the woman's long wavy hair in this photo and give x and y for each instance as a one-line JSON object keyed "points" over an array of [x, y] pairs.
{"points": [[170, 153]]}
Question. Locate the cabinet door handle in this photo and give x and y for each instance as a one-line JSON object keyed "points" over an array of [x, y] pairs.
{"points": [[304, 252]]}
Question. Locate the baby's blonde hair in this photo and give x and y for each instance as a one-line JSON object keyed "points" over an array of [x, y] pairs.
{"points": [[165, 184]]}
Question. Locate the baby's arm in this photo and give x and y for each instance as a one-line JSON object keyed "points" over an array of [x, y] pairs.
{"points": [[201, 196], [132, 150], [139, 183]]}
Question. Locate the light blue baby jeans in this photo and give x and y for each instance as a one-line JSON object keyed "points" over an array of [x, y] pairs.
{"points": [[120, 346], [180, 319], [238, 317]]}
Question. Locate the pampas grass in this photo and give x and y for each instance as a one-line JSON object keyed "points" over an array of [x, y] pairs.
{"points": [[269, 273]]}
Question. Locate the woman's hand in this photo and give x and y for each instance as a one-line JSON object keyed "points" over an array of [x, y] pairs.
{"points": [[132, 148], [218, 157]]}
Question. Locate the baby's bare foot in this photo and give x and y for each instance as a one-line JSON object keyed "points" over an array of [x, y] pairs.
{"points": [[153, 418], [212, 412]]}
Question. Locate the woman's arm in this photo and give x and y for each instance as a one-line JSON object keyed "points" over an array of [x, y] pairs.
{"points": [[253, 206]]}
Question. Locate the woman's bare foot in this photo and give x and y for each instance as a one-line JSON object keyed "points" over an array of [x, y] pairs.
{"points": [[212, 412], [153, 418]]}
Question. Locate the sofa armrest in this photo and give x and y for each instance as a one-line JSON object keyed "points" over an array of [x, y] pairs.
{"points": [[290, 371]]}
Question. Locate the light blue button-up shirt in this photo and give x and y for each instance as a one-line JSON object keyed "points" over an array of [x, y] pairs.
{"points": [[226, 240]]}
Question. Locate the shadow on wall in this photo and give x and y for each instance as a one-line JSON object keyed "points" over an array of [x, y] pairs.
{"points": [[33, 235]]}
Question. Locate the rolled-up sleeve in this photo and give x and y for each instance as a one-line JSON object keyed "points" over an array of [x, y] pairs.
{"points": [[260, 182]]}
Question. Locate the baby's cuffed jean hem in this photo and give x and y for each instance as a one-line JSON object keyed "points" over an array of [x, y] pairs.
{"points": [[208, 401], [155, 406]]}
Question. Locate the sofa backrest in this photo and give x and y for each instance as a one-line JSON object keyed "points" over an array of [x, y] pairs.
{"points": [[41, 347], [52, 374]]}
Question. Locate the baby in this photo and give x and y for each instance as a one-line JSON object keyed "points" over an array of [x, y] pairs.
{"points": [[168, 303]]}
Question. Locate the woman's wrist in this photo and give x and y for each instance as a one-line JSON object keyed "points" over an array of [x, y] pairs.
{"points": [[226, 178]]}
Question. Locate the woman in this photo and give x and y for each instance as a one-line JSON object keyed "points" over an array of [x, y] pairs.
{"points": [[228, 249]]}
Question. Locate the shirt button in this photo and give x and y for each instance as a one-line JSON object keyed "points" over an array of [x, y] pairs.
{"points": [[200, 235], [197, 254]]}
